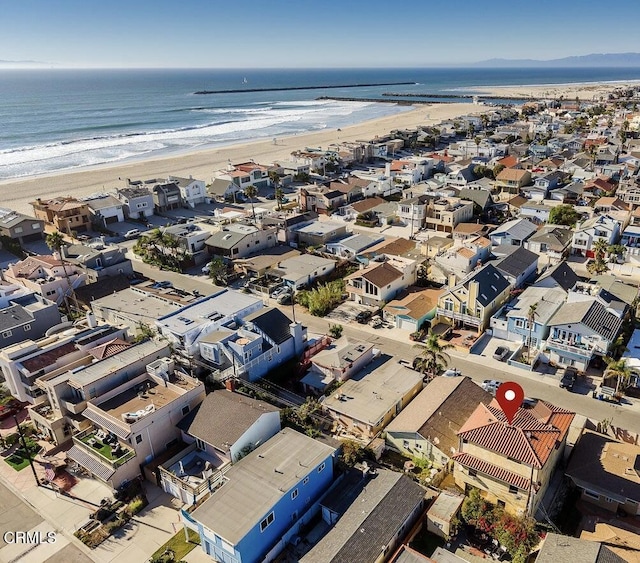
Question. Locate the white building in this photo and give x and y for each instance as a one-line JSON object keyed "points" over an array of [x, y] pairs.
{"points": [[193, 192]]}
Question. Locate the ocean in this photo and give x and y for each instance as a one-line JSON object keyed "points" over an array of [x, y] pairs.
{"points": [[55, 120]]}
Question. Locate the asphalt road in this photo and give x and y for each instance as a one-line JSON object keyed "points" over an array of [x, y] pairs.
{"points": [[625, 416]]}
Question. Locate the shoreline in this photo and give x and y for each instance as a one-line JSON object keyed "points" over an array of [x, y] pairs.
{"points": [[202, 163]]}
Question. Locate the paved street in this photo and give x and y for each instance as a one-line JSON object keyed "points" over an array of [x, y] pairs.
{"points": [[17, 516], [479, 368]]}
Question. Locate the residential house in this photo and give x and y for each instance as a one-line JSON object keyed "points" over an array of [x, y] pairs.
{"points": [[464, 231], [512, 180], [368, 401], [137, 201], [612, 536], [246, 174], [604, 470], [222, 189], [428, 427], [24, 363], [380, 281], [444, 214], [512, 321], [475, 299], [370, 518], [185, 327], [166, 196], [191, 239], [551, 241], [581, 330], [518, 266], [98, 262], [571, 193], [27, 317], [133, 422], [320, 199], [16, 226], [267, 497], [46, 275], [461, 178], [265, 340], [79, 370], [352, 246], [413, 310], [463, 257], [511, 464], [319, 233], [514, 232], [481, 198], [239, 240], [351, 187], [631, 241], [259, 264], [66, 214], [302, 270], [561, 276], [219, 431], [442, 513], [412, 211], [550, 181], [286, 225], [537, 213], [104, 209], [139, 306], [557, 548], [599, 227], [615, 208], [338, 362], [193, 192]]}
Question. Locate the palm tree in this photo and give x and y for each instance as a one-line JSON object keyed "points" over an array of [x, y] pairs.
{"points": [[433, 358], [531, 318], [620, 370], [279, 197], [251, 192], [55, 241], [599, 265]]}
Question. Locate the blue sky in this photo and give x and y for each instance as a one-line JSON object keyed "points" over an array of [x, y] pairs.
{"points": [[305, 33]]}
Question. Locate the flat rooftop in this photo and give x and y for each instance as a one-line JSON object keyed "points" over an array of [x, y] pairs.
{"points": [[136, 305], [138, 398]]}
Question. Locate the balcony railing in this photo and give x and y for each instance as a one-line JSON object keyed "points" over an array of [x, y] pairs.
{"points": [[578, 349], [75, 406], [115, 454], [467, 319]]}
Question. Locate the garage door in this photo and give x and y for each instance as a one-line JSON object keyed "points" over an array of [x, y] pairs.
{"points": [[407, 324], [113, 219]]}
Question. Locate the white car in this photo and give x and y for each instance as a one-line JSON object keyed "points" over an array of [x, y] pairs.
{"points": [[206, 269], [133, 233], [452, 373]]}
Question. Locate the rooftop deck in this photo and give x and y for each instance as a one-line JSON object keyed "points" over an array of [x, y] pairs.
{"points": [[139, 400]]}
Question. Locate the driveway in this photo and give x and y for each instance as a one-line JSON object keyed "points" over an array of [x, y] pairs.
{"points": [[346, 312]]}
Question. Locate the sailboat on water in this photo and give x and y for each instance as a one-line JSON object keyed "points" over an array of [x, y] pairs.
{"points": [[244, 80]]}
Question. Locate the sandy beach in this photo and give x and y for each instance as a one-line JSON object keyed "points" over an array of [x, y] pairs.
{"points": [[16, 194], [201, 164], [584, 91]]}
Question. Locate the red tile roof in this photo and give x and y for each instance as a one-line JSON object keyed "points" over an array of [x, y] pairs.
{"points": [[109, 348], [508, 161], [529, 439], [493, 471]]}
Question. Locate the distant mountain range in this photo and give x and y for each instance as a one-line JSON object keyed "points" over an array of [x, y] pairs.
{"points": [[593, 60]]}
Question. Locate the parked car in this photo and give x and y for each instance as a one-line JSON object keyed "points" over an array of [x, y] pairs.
{"points": [[452, 373], [283, 289], [206, 269], [501, 353], [270, 196], [568, 378], [376, 322], [133, 233], [491, 385], [363, 317], [162, 284]]}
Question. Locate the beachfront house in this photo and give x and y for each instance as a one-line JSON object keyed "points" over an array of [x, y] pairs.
{"points": [[166, 196], [193, 191], [137, 201], [16, 226], [104, 209], [66, 214]]}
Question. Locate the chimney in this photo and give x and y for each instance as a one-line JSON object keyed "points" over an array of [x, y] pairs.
{"points": [[451, 280], [91, 320]]}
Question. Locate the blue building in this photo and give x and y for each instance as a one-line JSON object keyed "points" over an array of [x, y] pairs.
{"points": [[268, 495], [512, 321]]}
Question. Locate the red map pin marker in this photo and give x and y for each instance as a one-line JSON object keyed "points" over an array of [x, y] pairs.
{"points": [[510, 396]]}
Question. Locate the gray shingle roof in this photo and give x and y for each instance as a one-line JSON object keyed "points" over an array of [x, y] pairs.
{"points": [[102, 470], [272, 322], [565, 549], [223, 417], [14, 316], [491, 284], [563, 275], [590, 313], [517, 262]]}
